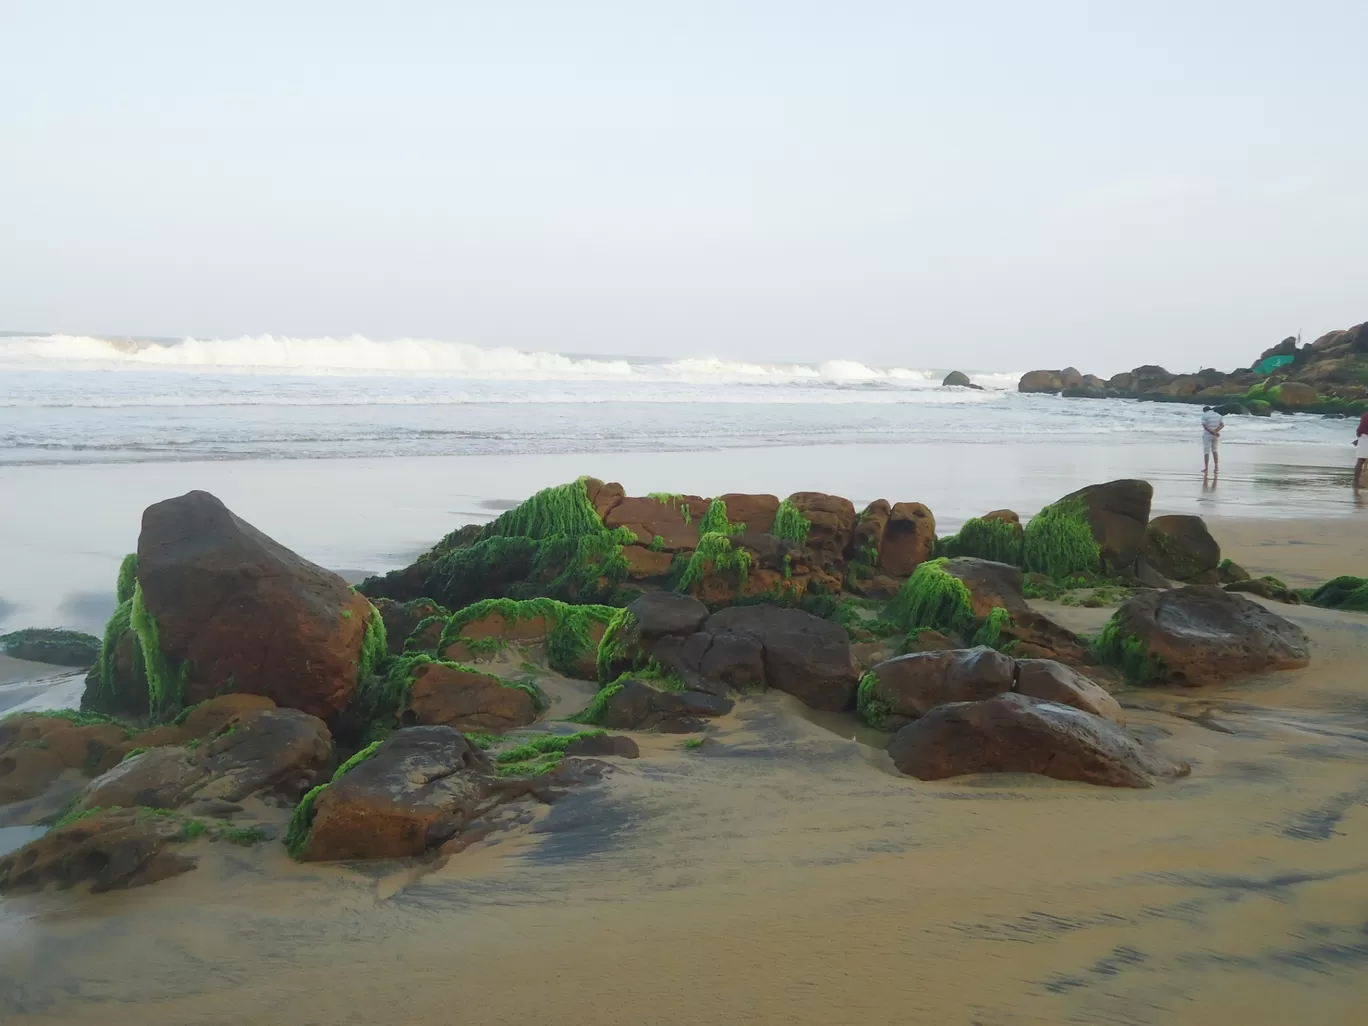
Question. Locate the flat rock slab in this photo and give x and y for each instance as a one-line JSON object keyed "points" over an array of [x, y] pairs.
{"points": [[1014, 733], [111, 850]]}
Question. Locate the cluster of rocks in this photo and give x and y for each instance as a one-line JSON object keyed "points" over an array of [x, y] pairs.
{"points": [[1327, 375], [235, 673]]}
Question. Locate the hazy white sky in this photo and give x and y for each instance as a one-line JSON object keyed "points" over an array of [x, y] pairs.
{"points": [[987, 185]]}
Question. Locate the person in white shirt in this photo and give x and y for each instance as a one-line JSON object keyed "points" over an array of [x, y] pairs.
{"points": [[1212, 425]]}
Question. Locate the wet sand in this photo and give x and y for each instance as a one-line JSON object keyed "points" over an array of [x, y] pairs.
{"points": [[784, 874], [61, 552]]}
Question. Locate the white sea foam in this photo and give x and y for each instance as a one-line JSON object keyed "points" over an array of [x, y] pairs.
{"points": [[358, 356]]}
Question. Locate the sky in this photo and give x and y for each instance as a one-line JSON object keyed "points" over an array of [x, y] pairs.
{"points": [[984, 185]]}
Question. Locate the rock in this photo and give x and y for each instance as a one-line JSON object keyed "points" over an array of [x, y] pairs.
{"points": [[957, 379], [1182, 549], [806, 656], [1200, 635], [1287, 347], [448, 695], [1229, 572], [832, 520], [908, 686], [419, 788], [927, 640], [771, 553], [990, 584], [51, 645], [402, 618], [1140, 381], [909, 538], [599, 745], [869, 535], [1051, 681], [715, 663], [755, 511], [1294, 394], [603, 497], [26, 771], [1266, 587], [1148, 577], [662, 613], [636, 705], [211, 716], [650, 518], [237, 611], [266, 751], [1118, 513], [427, 637], [113, 849], [1033, 635], [1017, 734], [643, 564], [1040, 381]]}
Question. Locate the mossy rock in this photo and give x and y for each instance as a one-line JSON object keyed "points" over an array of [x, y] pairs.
{"points": [[52, 645]]}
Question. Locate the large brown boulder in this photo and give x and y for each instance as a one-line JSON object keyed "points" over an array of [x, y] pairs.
{"points": [[1040, 381], [1017, 734], [755, 511], [832, 520], [806, 656], [908, 686], [455, 697], [1033, 635], [1116, 511], [265, 751], [990, 584], [1200, 635], [665, 518], [236, 611], [415, 792], [1052, 681], [1182, 549], [869, 532], [110, 850], [909, 539], [1295, 394]]}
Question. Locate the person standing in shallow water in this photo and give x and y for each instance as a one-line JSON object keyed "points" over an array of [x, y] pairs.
{"points": [[1212, 426], [1362, 447]]}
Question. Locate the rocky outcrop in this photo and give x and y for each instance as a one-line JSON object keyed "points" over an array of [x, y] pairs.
{"points": [[908, 686], [1050, 380], [280, 752], [832, 524], [1267, 588], [1115, 514], [1052, 681], [111, 850], [1014, 733], [674, 520], [755, 511], [909, 539], [806, 656], [635, 705], [416, 791], [51, 645], [402, 618], [1182, 549], [442, 693], [1199, 635], [220, 607], [990, 584]]}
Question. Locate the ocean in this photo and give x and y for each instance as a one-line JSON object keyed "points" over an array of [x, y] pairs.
{"points": [[359, 453]]}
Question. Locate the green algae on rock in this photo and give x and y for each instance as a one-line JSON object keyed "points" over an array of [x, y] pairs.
{"points": [[1059, 541], [997, 540], [933, 598]]}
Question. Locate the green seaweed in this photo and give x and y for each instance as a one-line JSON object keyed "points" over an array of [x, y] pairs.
{"points": [[538, 755], [482, 740], [593, 712], [616, 644], [132, 752], [872, 709], [997, 540], [693, 744], [1059, 541], [997, 620], [569, 628], [301, 823], [715, 520], [1114, 647], [561, 511], [675, 502], [715, 554], [78, 718], [355, 760], [858, 627], [931, 597], [165, 681], [374, 645], [128, 578], [74, 814], [790, 523], [657, 543], [1345, 592]]}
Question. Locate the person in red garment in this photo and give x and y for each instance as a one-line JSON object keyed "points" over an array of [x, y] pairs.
{"points": [[1362, 451]]}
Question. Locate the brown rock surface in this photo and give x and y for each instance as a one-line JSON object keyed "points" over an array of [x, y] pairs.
{"points": [[453, 697], [909, 539], [806, 656], [755, 511], [1204, 635], [649, 518], [990, 584], [832, 521], [113, 849], [1182, 549], [908, 686], [1051, 681], [237, 611], [1018, 734]]}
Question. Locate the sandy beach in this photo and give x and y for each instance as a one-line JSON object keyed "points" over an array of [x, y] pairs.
{"points": [[786, 873]]}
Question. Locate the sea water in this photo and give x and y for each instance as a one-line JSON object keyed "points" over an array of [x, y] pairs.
{"points": [[359, 453]]}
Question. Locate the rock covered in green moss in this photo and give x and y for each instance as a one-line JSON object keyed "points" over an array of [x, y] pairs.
{"points": [[996, 536], [110, 849], [52, 645], [1097, 529], [220, 607], [570, 632], [1342, 593], [1199, 635]]}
